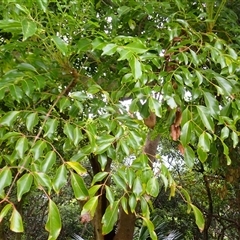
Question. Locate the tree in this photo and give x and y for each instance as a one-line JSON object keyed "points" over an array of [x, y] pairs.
{"points": [[68, 67]]}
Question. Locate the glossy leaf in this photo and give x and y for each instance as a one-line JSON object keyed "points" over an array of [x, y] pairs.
{"points": [[109, 195], [24, 185], [150, 227], [38, 149], [6, 178], [153, 187], [119, 182], [99, 177], [49, 161], [199, 217], [212, 104], [60, 178], [28, 28], [110, 217], [90, 207], [21, 146], [50, 127], [206, 118], [79, 188], [80, 170], [135, 67], [61, 45], [204, 141], [234, 138], [5, 211], [16, 224], [9, 118], [31, 121], [186, 133], [43, 4], [137, 187], [189, 156], [132, 201], [54, 223]]}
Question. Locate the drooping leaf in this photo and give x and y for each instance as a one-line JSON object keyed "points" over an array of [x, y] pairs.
{"points": [[89, 207], [38, 149], [110, 217], [137, 187], [31, 121], [21, 146], [9, 118], [60, 178], [61, 45], [189, 156], [198, 217], [99, 177], [6, 178], [5, 211], [153, 187], [28, 28], [54, 223], [48, 161], [77, 167], [135, 67], [79, 188], [16, 224], [150, 227], [24, 185], [206, 118]]}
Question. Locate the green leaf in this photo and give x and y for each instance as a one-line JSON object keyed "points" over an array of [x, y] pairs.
{"points": [[69, 131], [204, 141], [225, 85], [124, 54], [43, 180], [53, 224], [235, 138], [206, 118], [9, 118], [135, 67], [109, 49], [130, 177], [137, 187], [28, 28], [16, 224], [77, 167], [136, 47], [89, 209], [212, 104], [77, 134], [194, 57], [224, 133], [150, 227], [26, 67], [124, 204], [103, 142], [60, 178], [155, 106], [199, 217], [102, 159], [21, 146], [61, 45], [43, 4], [24, 185], [64, 103], [6, 178], [202, 154], [132, 201], [110, 218], [99, 177], [48, 162], [153, 187], [186, 133], [189, 156], [50, 127], [38, 149], [5, 211], [79, 188], [119, 182], [109, 195], [31, 121]]}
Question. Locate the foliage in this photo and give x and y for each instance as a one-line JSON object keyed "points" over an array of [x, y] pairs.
{"points": [[66, 69]]}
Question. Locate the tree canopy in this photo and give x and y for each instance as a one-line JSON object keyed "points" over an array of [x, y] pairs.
{"points": [[90, 89]]}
